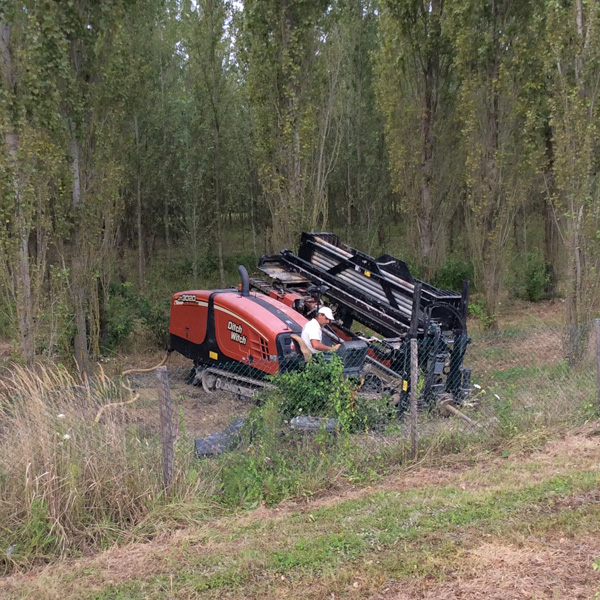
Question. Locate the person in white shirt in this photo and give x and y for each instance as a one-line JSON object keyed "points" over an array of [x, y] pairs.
{"points": [[312, 334]]}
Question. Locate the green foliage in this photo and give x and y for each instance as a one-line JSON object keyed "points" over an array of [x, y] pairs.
{"points": [[572, 60], [415, 65], [289, 92], [36, 536], [7, 320], [261, 476], [452, 273], [269, 467], [478, 310], [534, 281], [589, 410], [373, 414], [277, 463], [498, 63], [155, 315], [120, 316], [508, 418], [319, 389], [207, 266], [125, 308]]}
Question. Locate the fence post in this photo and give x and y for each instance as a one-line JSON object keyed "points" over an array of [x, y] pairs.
{"points": [[597, 330], [414, 382], [166, 425]]}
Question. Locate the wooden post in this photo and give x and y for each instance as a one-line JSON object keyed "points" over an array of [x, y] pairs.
{"points": [[166, 425], [414, 383], [416, 310], [597, 330]]}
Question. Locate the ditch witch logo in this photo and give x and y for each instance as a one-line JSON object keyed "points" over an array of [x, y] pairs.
{"points": [[236, 333]]}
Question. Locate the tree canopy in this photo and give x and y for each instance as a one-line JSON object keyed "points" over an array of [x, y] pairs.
{"points": [[147, 144]]}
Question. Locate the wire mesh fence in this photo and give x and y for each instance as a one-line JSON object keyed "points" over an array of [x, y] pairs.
{"points": [[489, 386], [75, 457]]}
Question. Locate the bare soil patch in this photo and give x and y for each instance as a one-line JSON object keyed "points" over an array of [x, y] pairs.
{"points": [[533, 569], [196, 412]]}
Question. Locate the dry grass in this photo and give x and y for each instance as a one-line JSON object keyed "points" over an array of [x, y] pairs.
{"points": [[542, 552], [527, 569], [68, 483]]}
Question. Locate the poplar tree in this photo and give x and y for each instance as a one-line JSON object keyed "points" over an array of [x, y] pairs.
{"points": [[33, 58], [281, 42], [492, 45], [359, 188], [573, 59], [416, 93]]}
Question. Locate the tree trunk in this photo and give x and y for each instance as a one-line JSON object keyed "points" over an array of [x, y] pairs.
{"points": [[491, 284], [140, 233], [78, 275], [24, 296], [493, 246], [164, 141], [167, 231], [22, 271], [575, 298], [574, 301], [426, 217]]}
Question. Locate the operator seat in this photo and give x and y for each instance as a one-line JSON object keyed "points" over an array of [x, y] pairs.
{"points": [[301, 347]]}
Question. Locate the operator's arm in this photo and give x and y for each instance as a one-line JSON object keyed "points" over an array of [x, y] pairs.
{"points": [[317, 345]]}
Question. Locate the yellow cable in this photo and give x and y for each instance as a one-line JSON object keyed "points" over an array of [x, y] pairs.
{"points": [[136, 371]]}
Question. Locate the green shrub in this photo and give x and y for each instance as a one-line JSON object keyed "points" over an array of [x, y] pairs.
{"points": [[319, 389], [452, 273], [8, 319], [207, 267], [120, 316], [155, 316], [125, 307], [478, 311], [232, 262], [535, 281], [373, 414]]}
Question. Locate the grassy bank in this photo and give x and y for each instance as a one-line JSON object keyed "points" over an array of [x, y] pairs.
{"points": [[481, 525], [81, 471]]}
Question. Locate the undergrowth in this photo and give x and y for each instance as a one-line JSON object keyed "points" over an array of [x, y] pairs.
{"points": [[74, 480], [71, 481]]}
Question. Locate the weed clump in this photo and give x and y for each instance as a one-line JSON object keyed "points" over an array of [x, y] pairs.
{"points": [[321, 390]]}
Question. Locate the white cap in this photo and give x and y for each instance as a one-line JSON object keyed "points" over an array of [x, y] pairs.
{"points": [[325, 310]]}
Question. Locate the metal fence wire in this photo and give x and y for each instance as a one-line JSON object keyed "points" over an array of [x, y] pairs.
{"points": [[490, 387], [516, 380]]}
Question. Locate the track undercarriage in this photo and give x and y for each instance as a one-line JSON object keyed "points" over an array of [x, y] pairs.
{"points": [[375, 381], [214, 379]]}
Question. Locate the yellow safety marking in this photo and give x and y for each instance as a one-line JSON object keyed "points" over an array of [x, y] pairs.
{"points": [[404, 385], [213, 355], [368, 273]]}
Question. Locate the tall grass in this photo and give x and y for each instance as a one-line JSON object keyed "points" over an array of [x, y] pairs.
{"points": [[67, 482], [73, 482]]}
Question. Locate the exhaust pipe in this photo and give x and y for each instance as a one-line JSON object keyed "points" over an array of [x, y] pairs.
{"points": [[245, 280]]}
